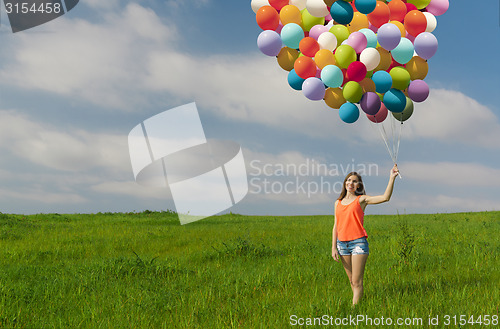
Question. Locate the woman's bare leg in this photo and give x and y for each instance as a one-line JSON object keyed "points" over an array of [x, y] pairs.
{"points": [[358, 263]]}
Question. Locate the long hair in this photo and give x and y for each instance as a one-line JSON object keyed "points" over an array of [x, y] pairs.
{"points": [[359, 191]]}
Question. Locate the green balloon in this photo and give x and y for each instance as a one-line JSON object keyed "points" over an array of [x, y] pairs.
{"points": [[407, 112], [352, 92], [400, 78], [420, 4], [341, 32], [345, 55], [309, 20]]}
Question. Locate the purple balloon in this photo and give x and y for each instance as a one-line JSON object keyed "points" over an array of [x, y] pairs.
{"points": [[426, 45], [314, 89], [316, 31], [370, 103], [269, 43], [389, 36], [418, 91]]}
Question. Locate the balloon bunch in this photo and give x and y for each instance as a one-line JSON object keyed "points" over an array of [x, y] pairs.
{"points": [[348, 52]]}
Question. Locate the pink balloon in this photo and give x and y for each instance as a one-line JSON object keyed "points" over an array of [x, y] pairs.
{"points": [[438, 7], [356, 71], [358, 41], [380, 116], [316, 31]]}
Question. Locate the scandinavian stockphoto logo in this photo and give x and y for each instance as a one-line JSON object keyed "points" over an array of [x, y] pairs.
{"points": [[25, 14], [205, 177]]}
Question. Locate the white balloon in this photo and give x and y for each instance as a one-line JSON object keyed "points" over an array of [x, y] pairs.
{"points": [[317, 8], [327, 40], [431, 22], [370, 57], [256, 4], [301, 4]]}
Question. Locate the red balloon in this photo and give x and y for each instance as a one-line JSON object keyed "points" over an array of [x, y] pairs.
{"points": [[278, 4], [356, 71], [380, 116], [410, 7], [398, 10], [305, 67], [415, 22], [267, 18], [309, 46], [380, 15]]}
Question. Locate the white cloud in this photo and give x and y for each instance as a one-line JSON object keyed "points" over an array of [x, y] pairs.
{"points": [[452, 174], [73, 151]]}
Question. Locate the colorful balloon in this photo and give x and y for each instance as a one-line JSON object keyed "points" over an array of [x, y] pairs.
{"points": [[327, 40], [356, 71], [415, 22], [400, 78], [437, 7], [380, 15], [278, 4], [291, 35], [397, 9], [371, 38], [420, 4], [403, 53], [305, 67], [267, 18], [370, 57], [431, 22], [317, 30], [358, 41], [341, 32], [418, 90], [349, 112], [308, 46], [287, 57], [426, 45], [365, 6], [370, 103], [301, 4], [345, 55], [382, 80], [407, 111], [389, 36], [342, 12], [353, 92], [256, 4], [317, 8], [294, 80], [395, 100], [334, 98], [324, 57], [381, 114], [308, 20], [417, 67], [332, 76], [290, 14], [313, 89], [269, 43], [359, 21]]}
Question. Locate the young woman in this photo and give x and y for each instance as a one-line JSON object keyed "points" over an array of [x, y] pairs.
{"points": [[349, 236]]}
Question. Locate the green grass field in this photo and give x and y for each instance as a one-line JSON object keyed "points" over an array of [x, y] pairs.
{"points": [[145, 270]]}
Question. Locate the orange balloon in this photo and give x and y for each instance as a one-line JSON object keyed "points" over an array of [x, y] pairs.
{"points": [[267, 18], [359, 21], [401, 27], [287, 57], [290, 14], [305, 67], [309, 46], [334, 98], [418, 68], [398, 10], [368, 85], [380, 15], [323, 58], [415, 22], [385, 59]]}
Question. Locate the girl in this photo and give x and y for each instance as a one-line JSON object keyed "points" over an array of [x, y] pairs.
{"points": [[349, 236]]}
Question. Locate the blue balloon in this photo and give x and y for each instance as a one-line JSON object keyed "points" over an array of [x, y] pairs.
{"points": [[365, 6], [332, 76], [371, 37], [342, 12], [269, 42], [291, 34], [395, 100], [294, 80], [403, 53], [349, 112], [382, 80]]}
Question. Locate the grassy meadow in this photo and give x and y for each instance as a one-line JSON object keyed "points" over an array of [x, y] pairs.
{"points": [[145, 270]]}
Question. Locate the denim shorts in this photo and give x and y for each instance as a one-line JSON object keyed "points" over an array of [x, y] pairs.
{"points": [[353, 247]]}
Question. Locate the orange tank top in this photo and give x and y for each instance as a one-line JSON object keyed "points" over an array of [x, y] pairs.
{"points": [[350, 220]]}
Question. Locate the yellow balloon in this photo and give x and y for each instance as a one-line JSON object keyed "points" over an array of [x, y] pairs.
{"points": [[418, 68], [334, 98], [401, 27], [359, 21], [290, 14], [323, 58], [368, 85], [385, 59], [286, 58]]}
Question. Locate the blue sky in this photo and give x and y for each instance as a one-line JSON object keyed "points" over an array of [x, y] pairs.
{"points": [[72, 89]]}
